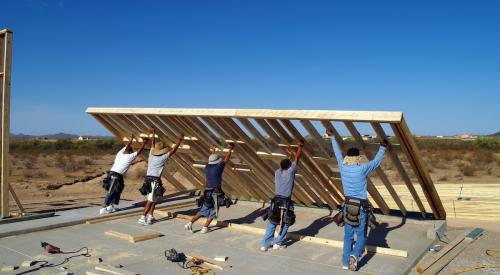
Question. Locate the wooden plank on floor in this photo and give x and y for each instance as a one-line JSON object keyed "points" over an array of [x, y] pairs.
{"points": [[298, 237], [114, 270]]}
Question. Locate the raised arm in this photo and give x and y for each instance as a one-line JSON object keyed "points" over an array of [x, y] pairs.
{"points": [[374, 163], [181, 138], [228, 155], [142, 147], [298, 154], [129, 144], [289, 153], [336, 148], [153, 138]]}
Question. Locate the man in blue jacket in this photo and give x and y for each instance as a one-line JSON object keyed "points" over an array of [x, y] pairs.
{"points": [[354, 176]]}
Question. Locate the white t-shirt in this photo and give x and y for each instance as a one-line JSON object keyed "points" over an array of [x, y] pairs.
{"points": [[123, 161], [156, 164]]}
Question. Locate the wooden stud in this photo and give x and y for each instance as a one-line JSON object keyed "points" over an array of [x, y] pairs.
{"points": [[355, 134], [401, 170], [5, 85]]}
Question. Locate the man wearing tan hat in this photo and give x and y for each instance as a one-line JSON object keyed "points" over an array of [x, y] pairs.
{"points": [[213, 188], [153, 188]]}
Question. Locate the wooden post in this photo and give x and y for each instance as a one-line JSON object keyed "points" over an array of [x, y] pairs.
{"points": [[5, 60]]}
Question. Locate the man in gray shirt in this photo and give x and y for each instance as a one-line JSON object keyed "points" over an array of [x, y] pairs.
{"points": [[281, 209], [153, 188]]}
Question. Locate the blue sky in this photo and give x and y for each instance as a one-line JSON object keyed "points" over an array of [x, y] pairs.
{"points": [[437, 61]]}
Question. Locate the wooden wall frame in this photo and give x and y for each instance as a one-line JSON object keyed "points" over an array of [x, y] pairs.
{"points": [[264, 135]]}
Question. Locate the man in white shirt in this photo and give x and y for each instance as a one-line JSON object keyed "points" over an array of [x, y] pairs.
{"points": [[114, 181]]}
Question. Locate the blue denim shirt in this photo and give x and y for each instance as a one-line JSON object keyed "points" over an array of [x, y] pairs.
{"points": [[354, 177]]}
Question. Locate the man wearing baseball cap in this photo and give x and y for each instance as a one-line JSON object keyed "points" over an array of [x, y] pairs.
{"points": [[213, 187]]}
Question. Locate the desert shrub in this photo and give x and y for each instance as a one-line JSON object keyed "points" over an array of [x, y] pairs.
{"points": [[30, 162], [87, 161], [467, 170], [443, 178], [63, 144], [487, 143]]}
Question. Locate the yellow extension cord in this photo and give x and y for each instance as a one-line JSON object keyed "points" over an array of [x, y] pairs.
{"points": [[489, 252]]}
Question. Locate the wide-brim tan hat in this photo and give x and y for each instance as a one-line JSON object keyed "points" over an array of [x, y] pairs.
{"points": [[160, 149], [214, 159]]}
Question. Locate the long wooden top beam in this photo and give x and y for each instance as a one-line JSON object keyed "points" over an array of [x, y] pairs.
{"points": [[5, 31], [355, 116]]}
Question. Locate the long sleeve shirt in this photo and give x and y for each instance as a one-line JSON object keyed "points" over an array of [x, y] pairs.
{"points": [[354, 177]]}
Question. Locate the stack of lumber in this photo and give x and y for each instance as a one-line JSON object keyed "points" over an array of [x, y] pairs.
{"points": [[462, 201], [433, 264]]}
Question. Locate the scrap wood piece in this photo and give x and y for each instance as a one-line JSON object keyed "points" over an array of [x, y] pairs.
{"points": [[133, 238], [135, 212], [436, 262], [114, 270], [304, 238], [199, 260]]}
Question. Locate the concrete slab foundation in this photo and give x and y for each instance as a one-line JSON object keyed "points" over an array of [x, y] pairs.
{"points": [[241, 248]]}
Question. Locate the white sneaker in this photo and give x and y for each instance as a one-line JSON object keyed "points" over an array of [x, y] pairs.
{"points": [[204, 230], [263, 248], [103, 211], [149, 220], [277, 246], [111, 208], [142, 220], [189, 226], [345, 267]]}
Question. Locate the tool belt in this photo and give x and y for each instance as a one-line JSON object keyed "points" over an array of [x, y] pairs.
{"points": [[146, 186], [113, 182], [352, 208], [279, 203], [207, 198]]}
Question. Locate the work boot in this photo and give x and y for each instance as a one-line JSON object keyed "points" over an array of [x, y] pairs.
{"points": [[189, 226], [353, 263], [204, 230], [142, 220]]}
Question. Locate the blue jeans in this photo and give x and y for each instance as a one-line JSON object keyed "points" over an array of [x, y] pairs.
{"points": [[349, 232], [112, 198], [269, 235]]}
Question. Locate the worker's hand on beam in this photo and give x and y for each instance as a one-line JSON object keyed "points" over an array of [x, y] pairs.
{"points": [[330, 133], [301, 143], [231, 145], [181, 137], [213, 149], [384, 143]]}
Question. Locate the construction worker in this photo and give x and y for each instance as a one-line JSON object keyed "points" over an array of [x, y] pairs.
{"points": [[153, 188], [354, 176], [281, 209], [114, 181], [212, 194]]}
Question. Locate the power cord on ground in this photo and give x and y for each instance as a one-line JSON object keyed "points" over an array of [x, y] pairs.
{"points": [[193, 265], [489, 252]]}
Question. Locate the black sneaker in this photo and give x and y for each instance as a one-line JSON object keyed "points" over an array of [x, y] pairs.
{"points": [[353, 263]]}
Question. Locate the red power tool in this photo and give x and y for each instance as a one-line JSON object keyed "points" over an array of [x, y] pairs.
{"points": [[52, 249]]}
